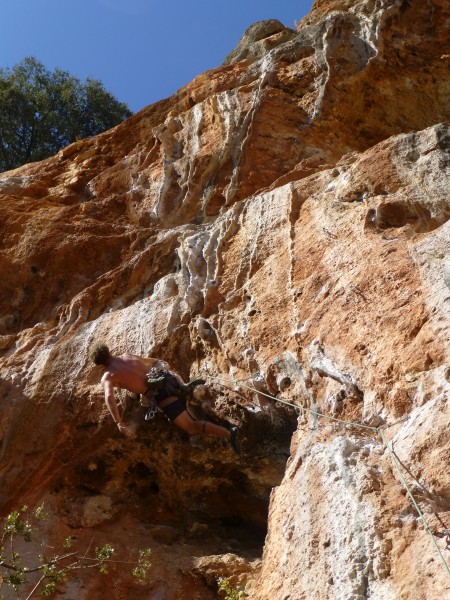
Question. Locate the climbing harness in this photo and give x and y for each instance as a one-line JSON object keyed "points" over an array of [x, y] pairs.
{"points": [[380, 431], [161, 384], [162, 381]]}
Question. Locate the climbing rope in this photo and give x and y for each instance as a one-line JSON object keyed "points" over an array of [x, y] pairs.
{"points": [[299, 407], [380, 431], [413, 500]]}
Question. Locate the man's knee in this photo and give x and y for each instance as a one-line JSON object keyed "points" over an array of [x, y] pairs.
{"points": [[185, 423]]}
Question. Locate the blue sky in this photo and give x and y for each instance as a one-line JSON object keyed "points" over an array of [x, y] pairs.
{"points": [[142, 50]]}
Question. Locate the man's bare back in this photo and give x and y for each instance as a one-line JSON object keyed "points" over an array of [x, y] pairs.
{"points": [[129, 372]]}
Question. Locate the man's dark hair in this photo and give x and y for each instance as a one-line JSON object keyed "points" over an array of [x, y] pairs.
{"points": [[100, 355]]}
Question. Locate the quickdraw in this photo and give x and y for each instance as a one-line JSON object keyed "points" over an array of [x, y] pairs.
{"points": [[443, 534], [151, 411]]}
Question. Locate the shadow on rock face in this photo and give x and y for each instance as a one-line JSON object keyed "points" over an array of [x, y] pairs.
{"points": [[398, 214]]}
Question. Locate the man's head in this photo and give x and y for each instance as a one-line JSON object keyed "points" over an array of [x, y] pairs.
{"points": [[101, 355]]}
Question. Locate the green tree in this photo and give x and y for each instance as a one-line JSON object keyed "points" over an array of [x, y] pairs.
{"points": [[43, 111], [34, 573]]}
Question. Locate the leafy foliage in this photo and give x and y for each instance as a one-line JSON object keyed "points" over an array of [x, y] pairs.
{"points": [[47, 572], [229, 592], [144, 564], [43, 111]]}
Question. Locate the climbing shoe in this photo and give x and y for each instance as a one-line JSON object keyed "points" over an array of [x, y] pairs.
{"points": [[234, 441]]}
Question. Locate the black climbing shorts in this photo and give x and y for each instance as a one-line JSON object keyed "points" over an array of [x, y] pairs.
{"points": [[161, 395], [173, 410]]}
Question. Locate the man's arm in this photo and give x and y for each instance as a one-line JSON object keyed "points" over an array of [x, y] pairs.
{"points": [[111, 403]]}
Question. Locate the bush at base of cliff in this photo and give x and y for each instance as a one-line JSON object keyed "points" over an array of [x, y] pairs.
{"points": [[35, 573], [228, 592]]}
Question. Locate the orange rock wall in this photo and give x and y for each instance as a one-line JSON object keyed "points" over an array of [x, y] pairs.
{"points": [[280, 223]]}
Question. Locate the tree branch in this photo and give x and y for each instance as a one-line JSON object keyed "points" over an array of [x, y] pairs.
{"points": [[36, 587]]}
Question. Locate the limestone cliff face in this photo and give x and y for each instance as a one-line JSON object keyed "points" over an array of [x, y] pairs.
{"points": [[279, 224]]}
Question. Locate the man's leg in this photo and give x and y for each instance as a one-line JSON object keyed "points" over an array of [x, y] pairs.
{"points": [[185, 422], [177, 414]]}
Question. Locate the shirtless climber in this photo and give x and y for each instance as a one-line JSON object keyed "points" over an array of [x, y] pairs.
{"points": [[130, 372]]}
